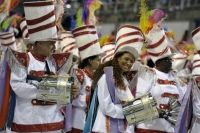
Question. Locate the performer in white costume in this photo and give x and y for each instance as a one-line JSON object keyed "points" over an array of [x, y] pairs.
{"points": [[110, 117], [161, 82], [196, 82], [89, 48], [32, 115]]}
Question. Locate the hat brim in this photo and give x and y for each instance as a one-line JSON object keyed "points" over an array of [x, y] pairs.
{"points": [[130, 50], [42, 40]]}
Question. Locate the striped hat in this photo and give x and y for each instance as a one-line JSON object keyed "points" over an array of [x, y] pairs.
{"points": [[196, 65], [130, 38], [108, 52], [196, 37], [8, 39], [87, 41], [67, 43], [24, 29], [41, 21], [179, 61], [157, 44]]}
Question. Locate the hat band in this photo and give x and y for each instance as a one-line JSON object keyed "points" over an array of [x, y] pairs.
{"points": [[61, 39], [83, 27], [24, 28], [195, 66], [84, 33], [5, 34], [158, 54], [195, 31], [41, 19], [107, 56], [40, 28], [7, 37], [38, 4], [128, 34], [130, 26], [195, 61], [69, 49], [8, 44], [129, 41], [156, 44], [109, 50], [69, 45], [25, 34], [87, 45]]}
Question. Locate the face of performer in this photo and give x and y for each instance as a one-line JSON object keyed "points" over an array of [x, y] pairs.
{"points": [[164, 64], [94, 63], [45, 48], [126, 61]]}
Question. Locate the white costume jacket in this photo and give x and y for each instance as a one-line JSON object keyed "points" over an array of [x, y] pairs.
{"points": [[31, 115], [196, 109], [161, 86], [81, 103], [108, 109]]}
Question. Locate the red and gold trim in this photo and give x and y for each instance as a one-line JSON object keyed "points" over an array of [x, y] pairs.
{"points": [[37, 127], [22, 58], [60, 59]]}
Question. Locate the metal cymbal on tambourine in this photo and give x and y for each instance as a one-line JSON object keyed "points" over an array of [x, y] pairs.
{"points": [[55, 89], [144, 109], [172, 112], [140, 109]]}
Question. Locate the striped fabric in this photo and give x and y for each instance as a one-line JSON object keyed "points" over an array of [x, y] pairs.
{"points": [[157, 44], [24, 29], [108, 52], [179, 61], [87, 41], [129, 35], [196, 37], [7, 38], [41, 21], [196, 65], [67, 42]]}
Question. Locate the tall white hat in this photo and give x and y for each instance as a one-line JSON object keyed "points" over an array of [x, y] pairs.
{"points": [[41, 21], [8, 39], [196, 65], [108, 52], [196, 37], [67, 43], [157, 44], [24, 29], [179, 61], [87, 41], [129, 38]]}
